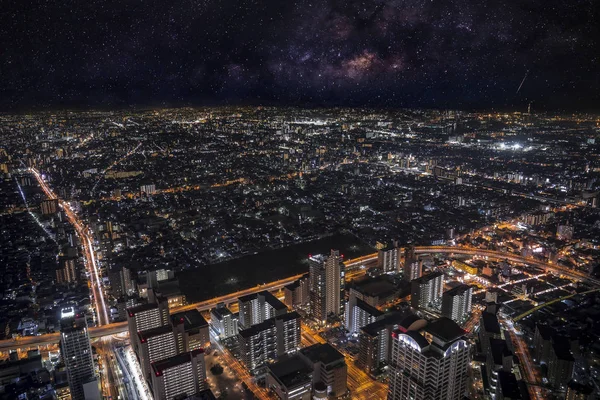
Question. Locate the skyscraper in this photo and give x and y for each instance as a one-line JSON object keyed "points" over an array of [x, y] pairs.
{"points": [[426, 291], [223, 322], [326, 281], [269, 340], [413, 268], [456, 303], [146, 316], [259, 307], [430, 364], [179, 376], [77, 355], [388, 258]]}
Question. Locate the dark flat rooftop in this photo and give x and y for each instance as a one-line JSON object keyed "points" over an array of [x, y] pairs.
{"points": [[490, 323], [391, 319], [291, 371], [445, 329], [192, 319], [458, 290], [324, 353], [148, 333], [160, 366]]}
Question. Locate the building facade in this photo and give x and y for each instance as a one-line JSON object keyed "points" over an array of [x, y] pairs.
{"points": [[326, 281]]}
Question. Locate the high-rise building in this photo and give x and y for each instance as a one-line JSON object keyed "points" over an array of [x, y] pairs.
{"points": [[155, 344], [413, 267], [364, 297], [269, 340], [144, 317], [179, 376], [327, 282], [561, 362], [258, 344], [259, 307], [329, 368], [426, 291], [77, 355], [430, 364], [388, 258], [290, 378], [359, 314], [456, 303], [297, 294], [191, 331], [223, 322], [121, 283], [374, 340]]}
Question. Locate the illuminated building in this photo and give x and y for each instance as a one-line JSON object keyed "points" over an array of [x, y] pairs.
{"points": [[269, 340], [76, 353], [49, 206], [155, 344], [388, 258], [413, 268], [329, 367], [297, 294], [375, 339], [191, 330], [290, 379], [179, 376], [463, 266], [426, 291], [259, 307], [326, 281], [144, 317], [67, 271], [223, 322], [456, 303], [431, 364]]}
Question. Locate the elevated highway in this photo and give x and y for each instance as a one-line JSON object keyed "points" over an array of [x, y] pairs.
{"points": [[354, 271]]}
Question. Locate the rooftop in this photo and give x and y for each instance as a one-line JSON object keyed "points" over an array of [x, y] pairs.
{"points": [[192, 319], [445, 329], [148, 333], [324, 353], [291, 371], [160, 366]]}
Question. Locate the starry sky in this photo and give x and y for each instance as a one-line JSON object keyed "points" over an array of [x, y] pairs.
{"points": [[379, 53]]}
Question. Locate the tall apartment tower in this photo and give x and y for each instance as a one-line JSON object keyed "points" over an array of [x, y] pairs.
{"points": [[426, 291], [144, 317], [77, 355], [430, 364], [179, 376], [326, 282], [456, 303], [169, 348], [413, 268], [388, 258], [259, 307]]}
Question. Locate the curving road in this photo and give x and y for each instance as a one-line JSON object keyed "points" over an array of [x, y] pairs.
{"points": [[110, 329]]}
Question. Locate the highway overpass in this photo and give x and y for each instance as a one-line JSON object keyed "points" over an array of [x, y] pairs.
{"points": [[114, 328]]}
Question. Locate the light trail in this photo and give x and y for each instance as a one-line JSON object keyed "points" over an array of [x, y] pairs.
{"points": [[35, 218], [87, 245]]}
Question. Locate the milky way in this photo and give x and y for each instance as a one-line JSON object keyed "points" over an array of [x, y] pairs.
{"points": [[397, 53]]}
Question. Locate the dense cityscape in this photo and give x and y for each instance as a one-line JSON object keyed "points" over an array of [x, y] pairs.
{"points": [[299, 253]]}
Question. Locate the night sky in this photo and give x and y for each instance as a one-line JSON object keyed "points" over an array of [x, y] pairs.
{"points": [[381, 53]]}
